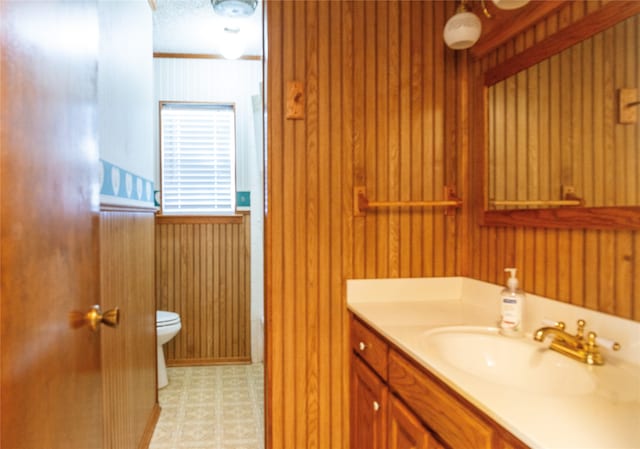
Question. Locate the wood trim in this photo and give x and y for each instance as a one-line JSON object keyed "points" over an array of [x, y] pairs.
{"points": [[199, 219], [106, 207], [147, 435], [506, 24], [591, 24], [617, 218], [203, 56], [210, 362]]}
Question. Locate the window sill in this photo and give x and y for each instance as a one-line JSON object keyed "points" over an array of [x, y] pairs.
{"points": [[200, 219]]}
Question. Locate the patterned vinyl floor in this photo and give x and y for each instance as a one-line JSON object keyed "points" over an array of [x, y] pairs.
{"points": [[212, 407]]}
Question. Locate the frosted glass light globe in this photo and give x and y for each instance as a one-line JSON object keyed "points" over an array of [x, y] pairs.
{"points": [[232, 49], [462, 30], [509, 4], [231, 42]]}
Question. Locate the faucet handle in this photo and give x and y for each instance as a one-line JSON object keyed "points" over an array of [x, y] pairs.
{"points": [[603, 342], [553, 323]]}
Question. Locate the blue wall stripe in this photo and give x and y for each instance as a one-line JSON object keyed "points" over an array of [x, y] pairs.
{"points": [[120, 183]]}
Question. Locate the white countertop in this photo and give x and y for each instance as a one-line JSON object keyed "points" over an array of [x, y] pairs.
{"points": [[402, 310]]}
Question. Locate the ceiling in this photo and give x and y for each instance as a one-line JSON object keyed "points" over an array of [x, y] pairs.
{"points": [[192, 27]]}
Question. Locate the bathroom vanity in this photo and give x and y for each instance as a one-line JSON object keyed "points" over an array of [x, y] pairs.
{"points": [[429, 370]]}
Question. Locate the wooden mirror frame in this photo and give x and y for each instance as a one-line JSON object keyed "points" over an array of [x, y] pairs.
{"points": [[623, 217]]}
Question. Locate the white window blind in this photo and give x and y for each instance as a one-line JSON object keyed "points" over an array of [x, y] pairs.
{"points": [[198, 158]]}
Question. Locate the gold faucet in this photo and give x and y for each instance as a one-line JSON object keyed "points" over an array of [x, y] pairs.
{"points": [[575, 346]]}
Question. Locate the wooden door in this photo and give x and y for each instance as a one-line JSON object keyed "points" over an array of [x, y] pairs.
{"points": [[368, 407], [51, 395], [406, 431]]}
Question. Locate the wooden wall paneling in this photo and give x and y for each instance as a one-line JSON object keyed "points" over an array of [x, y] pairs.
{"points": [[404, 130], [608, 263], [273, 231], [344, 269], [428, 142], [375, 117], [357, 139], [319, 307], [203, 274], [623, 271], [575, 288], [215, 307], [451, 150], [338, 410], [369, 159], [440, 53], [555, 275], [300, 163], [381, 156], [415, 96], [393, 146], [129, 351]]}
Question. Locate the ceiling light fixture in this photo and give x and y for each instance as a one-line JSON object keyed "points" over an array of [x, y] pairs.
{"points": [[234, 8], [463, 29]]}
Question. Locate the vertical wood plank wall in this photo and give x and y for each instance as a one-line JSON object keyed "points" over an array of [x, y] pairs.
{"points": [[590, 268], [128, 351], [556, 124], [203, 273], [380, 111]]}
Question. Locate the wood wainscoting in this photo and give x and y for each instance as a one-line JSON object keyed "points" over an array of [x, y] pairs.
{"points": [[128, 351], [203, 273]]}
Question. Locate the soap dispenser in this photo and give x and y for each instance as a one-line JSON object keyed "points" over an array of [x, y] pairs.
{"points": [[512, 305]]}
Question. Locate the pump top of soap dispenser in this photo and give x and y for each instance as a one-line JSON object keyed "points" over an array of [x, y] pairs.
{"points": [[512, 282]]}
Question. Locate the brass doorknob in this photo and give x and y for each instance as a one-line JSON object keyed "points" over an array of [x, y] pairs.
{"points": [[94, 317]]}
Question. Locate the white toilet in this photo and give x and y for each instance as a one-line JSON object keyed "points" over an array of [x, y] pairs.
{"points": [[167, 326]]}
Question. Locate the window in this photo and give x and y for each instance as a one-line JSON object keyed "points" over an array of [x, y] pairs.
{"points": [[197, 145]]}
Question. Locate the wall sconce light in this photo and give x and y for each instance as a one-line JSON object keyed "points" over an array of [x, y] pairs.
{"points": [[463, 29]]}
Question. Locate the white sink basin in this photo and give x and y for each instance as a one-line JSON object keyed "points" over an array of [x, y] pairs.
{"points": [[520, 363]]}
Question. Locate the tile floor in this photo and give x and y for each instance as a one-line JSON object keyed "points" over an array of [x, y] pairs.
{"points": [[212, 407]]}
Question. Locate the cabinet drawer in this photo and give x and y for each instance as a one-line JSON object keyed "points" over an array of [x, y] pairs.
{"points": [[371, 347], [453, 421]]}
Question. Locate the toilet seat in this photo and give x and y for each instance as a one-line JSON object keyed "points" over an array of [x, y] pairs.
{"points": [[164, 318]]}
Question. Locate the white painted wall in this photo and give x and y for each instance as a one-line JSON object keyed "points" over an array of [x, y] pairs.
{"points": [[222, 81], [125, 85]]}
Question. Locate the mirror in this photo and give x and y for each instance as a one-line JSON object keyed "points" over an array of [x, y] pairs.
{"points": [[562, 136]]}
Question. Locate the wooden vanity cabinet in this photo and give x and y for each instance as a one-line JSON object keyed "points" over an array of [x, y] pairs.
{"points": [[379, 420], [397, 404], [405, 429], [368, 407]]}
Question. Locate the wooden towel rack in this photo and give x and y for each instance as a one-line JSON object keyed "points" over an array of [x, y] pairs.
{"points": [[361, 203], [569, 199]]}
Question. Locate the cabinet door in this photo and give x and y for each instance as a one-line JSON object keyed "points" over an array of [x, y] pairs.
{"points": [[406, 431], [368, 407]]}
